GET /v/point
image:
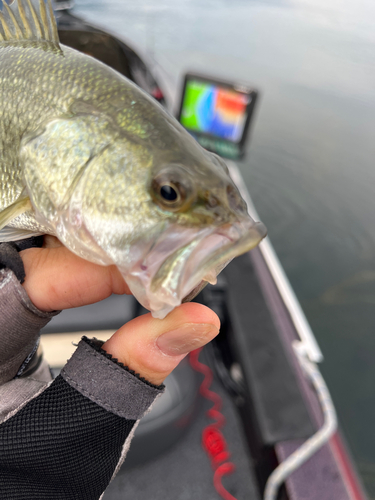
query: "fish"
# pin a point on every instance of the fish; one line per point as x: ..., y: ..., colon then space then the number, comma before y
x: 87, y: 156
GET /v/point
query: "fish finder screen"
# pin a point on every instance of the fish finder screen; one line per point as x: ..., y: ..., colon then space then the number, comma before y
x: 212, y: 109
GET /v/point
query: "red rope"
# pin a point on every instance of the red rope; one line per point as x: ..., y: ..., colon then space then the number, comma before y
x: 213, y: 440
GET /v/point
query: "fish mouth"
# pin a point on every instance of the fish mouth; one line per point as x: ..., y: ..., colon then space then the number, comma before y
x: 220, y: 248
x: 184, y: 260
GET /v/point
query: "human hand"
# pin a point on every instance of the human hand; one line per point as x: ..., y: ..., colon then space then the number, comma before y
x: 58, y: 279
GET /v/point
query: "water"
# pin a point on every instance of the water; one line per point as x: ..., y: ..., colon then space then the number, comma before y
x: 310, y: 166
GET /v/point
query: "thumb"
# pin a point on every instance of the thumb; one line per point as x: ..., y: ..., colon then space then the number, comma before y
x: 154, y: 347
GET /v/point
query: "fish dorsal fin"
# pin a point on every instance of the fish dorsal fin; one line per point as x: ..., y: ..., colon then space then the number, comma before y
x: 28, y: 20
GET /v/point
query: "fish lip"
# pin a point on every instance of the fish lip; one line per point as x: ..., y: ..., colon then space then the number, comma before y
x: 174, y: 267
x: 210, y: 252
x: 220, y: 258
x: 196, y: 290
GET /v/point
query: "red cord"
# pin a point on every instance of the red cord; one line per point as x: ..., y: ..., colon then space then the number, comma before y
x: 213, y: 440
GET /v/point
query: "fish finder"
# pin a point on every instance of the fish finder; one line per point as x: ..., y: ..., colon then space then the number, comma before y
x: 217, y: 113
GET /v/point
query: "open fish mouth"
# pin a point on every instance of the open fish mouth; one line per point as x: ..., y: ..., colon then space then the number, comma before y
x: 184, y: 260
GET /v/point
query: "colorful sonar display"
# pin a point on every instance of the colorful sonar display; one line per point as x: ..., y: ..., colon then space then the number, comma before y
x: 211, y: 109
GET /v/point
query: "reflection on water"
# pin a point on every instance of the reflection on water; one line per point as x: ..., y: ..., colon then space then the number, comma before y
x: 357, y: 288
x: 310, y: 164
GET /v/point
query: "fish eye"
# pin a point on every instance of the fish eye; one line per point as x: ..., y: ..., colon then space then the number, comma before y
x: 169, y: 193
x: 172, y: 189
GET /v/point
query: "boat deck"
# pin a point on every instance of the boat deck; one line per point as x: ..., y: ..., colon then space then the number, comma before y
x: 184, y: 472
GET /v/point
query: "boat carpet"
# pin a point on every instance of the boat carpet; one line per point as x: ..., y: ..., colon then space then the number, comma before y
x: 184, y: 472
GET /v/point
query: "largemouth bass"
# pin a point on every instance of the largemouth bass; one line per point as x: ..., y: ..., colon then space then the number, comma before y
x: 87, y: 156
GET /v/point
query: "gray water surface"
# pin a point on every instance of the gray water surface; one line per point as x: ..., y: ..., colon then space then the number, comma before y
x: 310, y: 165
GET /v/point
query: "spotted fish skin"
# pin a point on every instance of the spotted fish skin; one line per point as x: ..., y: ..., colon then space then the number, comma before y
x: 94, y: 154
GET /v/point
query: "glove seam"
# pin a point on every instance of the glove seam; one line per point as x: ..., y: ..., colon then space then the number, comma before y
x: 97, y: 346
x: 115, y: 367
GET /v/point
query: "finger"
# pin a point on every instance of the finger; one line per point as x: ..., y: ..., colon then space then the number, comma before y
x: 58, y: 279
x: 154, y: 347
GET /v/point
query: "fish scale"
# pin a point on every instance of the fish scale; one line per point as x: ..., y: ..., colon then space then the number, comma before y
x: 29, y: 82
